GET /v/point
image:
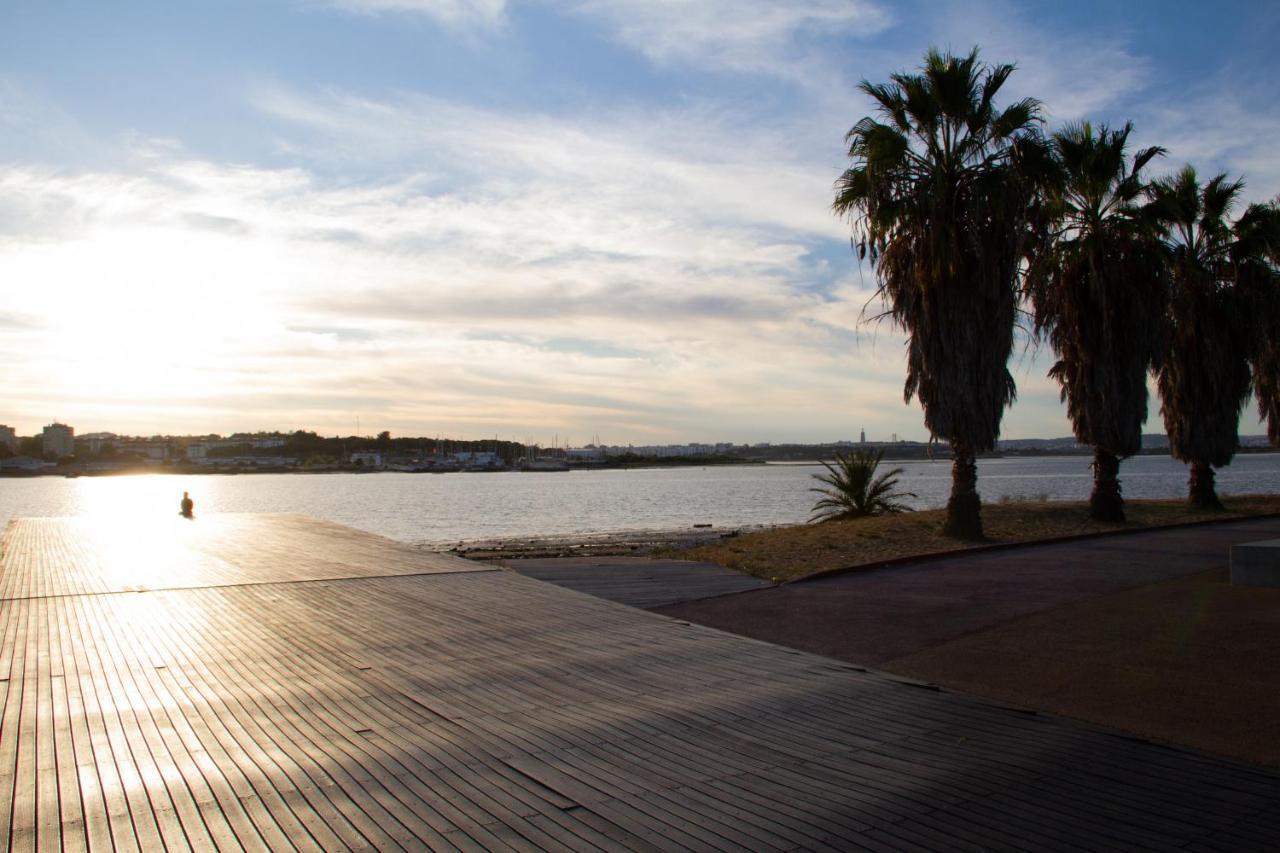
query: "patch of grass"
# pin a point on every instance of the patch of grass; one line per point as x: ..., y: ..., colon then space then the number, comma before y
x: 787, y: 553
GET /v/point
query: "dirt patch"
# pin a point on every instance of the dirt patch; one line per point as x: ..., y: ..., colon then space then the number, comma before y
x: 787, y: 553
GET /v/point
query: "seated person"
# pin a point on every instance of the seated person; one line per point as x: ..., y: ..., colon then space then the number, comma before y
x: 188, y: 505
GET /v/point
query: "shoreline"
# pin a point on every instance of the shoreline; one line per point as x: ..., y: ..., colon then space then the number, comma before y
x: 229, y: 471
x: 629, y: 543
x: 185, y: 469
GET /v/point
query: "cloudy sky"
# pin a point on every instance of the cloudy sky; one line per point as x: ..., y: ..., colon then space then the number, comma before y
x: 526, y: 218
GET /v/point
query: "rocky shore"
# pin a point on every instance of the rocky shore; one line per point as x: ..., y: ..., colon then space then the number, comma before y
x: 625, y: 543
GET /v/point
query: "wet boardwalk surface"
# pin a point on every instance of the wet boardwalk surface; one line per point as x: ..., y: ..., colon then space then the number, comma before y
x: 638, y: 581
x: 256, y: 694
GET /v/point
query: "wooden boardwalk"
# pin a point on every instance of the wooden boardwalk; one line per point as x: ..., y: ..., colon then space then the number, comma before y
x: 291, y: 684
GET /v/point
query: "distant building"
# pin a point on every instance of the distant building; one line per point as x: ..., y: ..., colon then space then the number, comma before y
x: 477, y: 459
x: 663, y: 450
x: 862, y: 438
x: 99, y: 443
x: 22, y: 463
x: 148, y: 451
x: 9, y: 438
x: 59, y: 440
x: 257, y: 440
x: 366, y: 459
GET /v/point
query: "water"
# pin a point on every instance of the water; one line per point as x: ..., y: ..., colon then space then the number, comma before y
x: 441, y: 510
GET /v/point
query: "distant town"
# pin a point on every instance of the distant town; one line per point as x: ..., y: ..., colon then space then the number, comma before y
x: 57, y: 450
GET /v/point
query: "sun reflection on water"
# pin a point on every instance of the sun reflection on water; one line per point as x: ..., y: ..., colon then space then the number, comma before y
x: 136, y: 535
x: 137, y: 497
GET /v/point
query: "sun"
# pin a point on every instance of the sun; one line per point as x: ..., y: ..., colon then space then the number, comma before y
x: 145, y: 315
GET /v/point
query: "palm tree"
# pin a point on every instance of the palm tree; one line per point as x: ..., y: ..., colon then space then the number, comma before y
x: 939, y: 199
x: 1203, y: 373
x: 1097, y: 286
x: 855, y: 490
x: 1264, y: 284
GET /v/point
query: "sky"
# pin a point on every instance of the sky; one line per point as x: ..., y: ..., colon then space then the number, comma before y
x: 542, y: 220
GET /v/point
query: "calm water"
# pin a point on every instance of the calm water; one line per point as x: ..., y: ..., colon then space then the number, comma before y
x: 444, y: 509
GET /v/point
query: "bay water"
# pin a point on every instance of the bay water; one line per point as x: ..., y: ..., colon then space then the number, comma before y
x: 443, y: 510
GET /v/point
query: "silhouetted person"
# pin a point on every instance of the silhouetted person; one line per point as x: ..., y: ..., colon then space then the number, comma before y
x: 188, y: 505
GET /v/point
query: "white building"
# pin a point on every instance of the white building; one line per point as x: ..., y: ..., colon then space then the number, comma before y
x: 366, y: 459
x: 152, y: 451
x: 664, y: 450
x: 9, y: 438
x: 58, y: 439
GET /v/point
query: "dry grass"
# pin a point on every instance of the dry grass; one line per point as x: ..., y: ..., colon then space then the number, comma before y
x: 787, y: 553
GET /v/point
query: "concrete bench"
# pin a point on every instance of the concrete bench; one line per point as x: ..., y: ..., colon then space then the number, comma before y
x: 1256, y: 563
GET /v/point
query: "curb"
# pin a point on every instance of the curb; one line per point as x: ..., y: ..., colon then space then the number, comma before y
x: 1008, y: 546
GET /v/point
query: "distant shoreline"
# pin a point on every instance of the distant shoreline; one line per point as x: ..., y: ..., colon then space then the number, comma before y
x: 73, y: 472
x: 187, y: 470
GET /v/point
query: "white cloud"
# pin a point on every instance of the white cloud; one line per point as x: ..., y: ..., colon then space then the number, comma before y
x: 1074, y: 74
x: 456, y: 13
x: 735, y: 35
x: 652, y: 168
x: 677, y: 270
x: 1224, y: 127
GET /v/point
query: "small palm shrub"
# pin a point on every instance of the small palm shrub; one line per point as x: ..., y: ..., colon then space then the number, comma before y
x: 855, y: 490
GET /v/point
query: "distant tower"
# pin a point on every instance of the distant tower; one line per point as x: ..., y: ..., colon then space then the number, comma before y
x: 58, y: 440
x: 863, y: 438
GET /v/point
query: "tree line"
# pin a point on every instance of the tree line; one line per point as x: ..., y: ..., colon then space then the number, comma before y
x: 973, y: 215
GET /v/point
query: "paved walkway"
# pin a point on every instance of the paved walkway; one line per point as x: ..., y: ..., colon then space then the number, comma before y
x: 873, y: 616
x: 637, y: 581
x: 261, y: 700
x: 1142, y: 632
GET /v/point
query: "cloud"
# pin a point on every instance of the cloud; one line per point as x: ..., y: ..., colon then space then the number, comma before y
x: 1222, y: 126
x: 17, y: 322
x: 484, y: 14
x: 339, y: 333
x: 691, y: 160
x: 514, y: 268
x: 758, y: 36
x: 1074, y: 74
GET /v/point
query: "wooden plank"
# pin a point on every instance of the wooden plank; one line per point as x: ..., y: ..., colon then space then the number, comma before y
x: 297, y: 683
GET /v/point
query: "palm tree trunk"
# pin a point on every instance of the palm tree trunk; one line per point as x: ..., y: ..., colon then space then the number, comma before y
x: 1105, y: 504
x: 1203, y: 495
x: 964, y: 519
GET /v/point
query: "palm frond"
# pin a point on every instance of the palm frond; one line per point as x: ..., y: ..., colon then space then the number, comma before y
x: 1097, y: 284
x: 854, y: 489
x: 1216, y: 267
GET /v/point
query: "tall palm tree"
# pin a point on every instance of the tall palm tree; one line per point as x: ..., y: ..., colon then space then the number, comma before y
x: 938, y: 198
x: 1264, y: 283
x: 1097, y: 286
x: 1203, y: 373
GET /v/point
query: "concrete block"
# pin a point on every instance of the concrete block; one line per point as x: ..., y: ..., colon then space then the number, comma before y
x: 1256, y: 563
